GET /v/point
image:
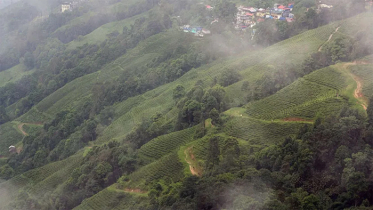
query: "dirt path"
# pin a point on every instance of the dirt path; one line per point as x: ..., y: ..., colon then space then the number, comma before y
x: 132, y: 190
x: 295, y: 119
x: 330, y: 37
x: 193, y: 169
x: 20, y: 127
x: 358, y: 93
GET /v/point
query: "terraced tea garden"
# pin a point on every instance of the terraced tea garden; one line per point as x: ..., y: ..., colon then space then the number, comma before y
x: 168, y: 166
x: 163, y: 145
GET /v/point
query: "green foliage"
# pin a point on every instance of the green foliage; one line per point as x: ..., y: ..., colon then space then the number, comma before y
x: 315, y: 93
x: 110, y: 198
x: 178, y: 92
x: 225, y: 10
x: 83, y: 92
x: 160, y: 146
x: 168, y: 166
x: 260, y: 132
x: 364, y: 72
x: 213, y: 154
x: 215, y: 118
x: 228, y: 77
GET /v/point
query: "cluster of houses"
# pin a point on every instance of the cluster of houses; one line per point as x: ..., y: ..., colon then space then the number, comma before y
x: 197, y: 31
x: 69, y: 6
x: 250, y: 16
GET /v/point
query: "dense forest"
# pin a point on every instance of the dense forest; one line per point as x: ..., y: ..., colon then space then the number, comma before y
x: 164, y: 120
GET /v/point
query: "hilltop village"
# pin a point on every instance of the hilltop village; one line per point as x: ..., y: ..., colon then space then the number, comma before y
x: 248, y: 17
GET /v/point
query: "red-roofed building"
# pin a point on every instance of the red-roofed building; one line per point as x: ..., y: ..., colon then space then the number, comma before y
x: 208, y: 7
x: 281, y: 7
x: 249, y: 14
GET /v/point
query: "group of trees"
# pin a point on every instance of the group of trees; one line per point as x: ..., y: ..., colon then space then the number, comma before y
x: 199, y: 104
x: 327, y: 166
x: 101, y: 167
x: 58, y: 66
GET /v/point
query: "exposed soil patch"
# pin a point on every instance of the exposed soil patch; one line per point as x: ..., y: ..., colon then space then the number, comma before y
x: 358, y: 93
x: 295, y: 119
x: 193, y: 169
x: 20, y: 127
x: 19, y: 149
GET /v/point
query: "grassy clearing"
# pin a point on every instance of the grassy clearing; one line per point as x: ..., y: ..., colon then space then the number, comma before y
x: 34, y: 116
x: 32, y: 129
x: 14, y: 74
x: 9, y: 135
x: 100, y: 34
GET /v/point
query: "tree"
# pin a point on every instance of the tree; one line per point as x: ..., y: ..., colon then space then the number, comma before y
x: 3, y: 116
x: 228, y: 77
x: 226, y: 10
x: 29, y: 60
x: 189, y: 187
x: 370, y: 112
x: 178, y: 92
x: 230, y: 155
x: 266, y: 33
x: 339, y: 49
x: 215, y: 117
x: 245, y: 86
x: 213, y: 154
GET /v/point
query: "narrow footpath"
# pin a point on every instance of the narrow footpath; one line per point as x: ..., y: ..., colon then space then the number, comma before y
x: 20, y: 127
x: 189, y: 158
x: 330, y: 37
x: 358, y: 93
x: 132, y: 190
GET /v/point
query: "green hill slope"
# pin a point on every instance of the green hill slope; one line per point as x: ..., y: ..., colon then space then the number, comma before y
x: 38, y: 182
x: 259, y: 124
x: 13, y: 74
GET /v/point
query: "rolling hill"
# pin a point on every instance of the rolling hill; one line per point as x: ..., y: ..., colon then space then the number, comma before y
x: 159, y: 169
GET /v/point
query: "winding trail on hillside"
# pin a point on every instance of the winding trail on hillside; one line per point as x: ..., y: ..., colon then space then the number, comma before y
x: 296, y: 119
x: 330, y: 37
x: 20, y: 127
x: 134, y: 190
x: 189, y: 153
x: 358, y: 93
x: 288, y: 119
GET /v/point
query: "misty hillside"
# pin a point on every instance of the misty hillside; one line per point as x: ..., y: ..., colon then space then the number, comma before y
x: 186, y: 104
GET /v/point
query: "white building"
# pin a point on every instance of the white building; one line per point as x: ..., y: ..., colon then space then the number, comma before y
x: 66, y: 7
